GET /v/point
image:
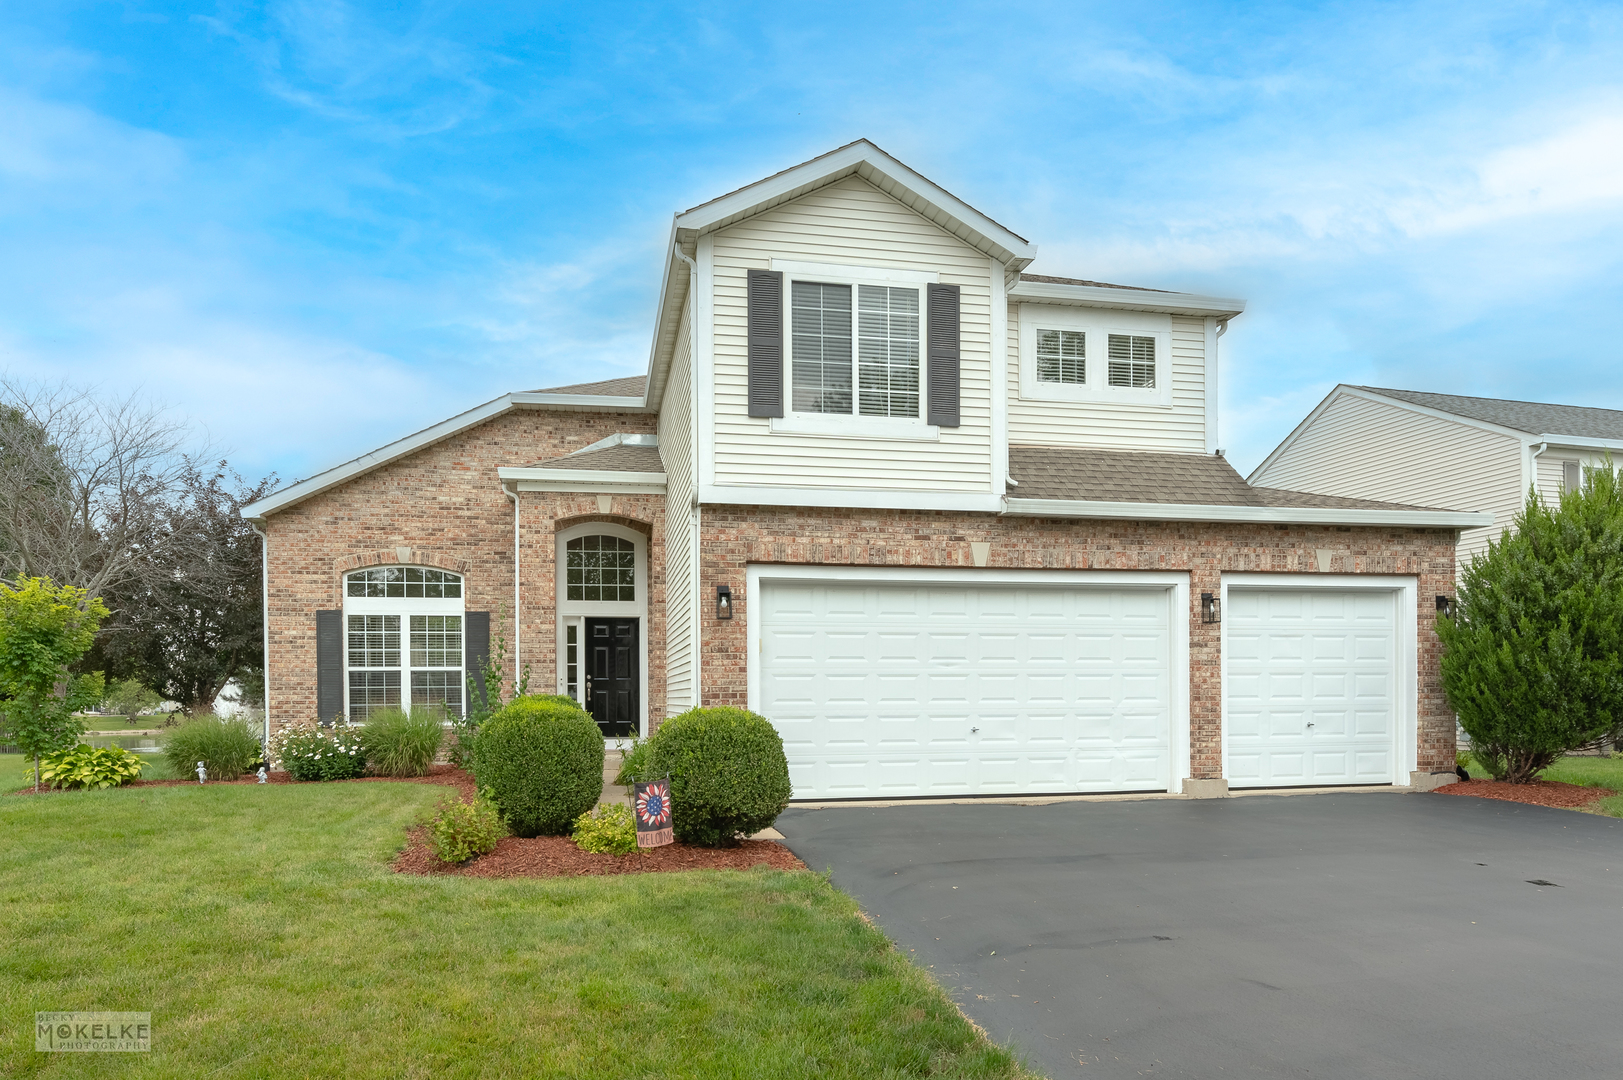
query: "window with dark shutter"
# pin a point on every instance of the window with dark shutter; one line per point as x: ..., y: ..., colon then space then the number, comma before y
x: 329, y: 664
x: 765, y: 343
x: 943, y: 356
x: 476, y: 649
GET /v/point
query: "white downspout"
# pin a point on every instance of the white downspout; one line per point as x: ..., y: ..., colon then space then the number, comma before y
x: 1212, y: 403
x: 693, y: 455
x: 518, y: 663
x: 264, y: 616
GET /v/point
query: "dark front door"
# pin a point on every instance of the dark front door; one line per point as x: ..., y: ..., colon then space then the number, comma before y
x: 612, y: 675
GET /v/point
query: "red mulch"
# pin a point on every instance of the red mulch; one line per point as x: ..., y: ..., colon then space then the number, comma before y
x: 1538, y: 793
x: 557, y: 856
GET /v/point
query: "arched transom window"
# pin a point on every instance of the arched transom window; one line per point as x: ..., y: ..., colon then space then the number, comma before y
x: 600, y: 568
x: 403, y: 640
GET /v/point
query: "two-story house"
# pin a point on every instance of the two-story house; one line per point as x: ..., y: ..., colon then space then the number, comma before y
x: 1471, y: 453
x: 955, y: 528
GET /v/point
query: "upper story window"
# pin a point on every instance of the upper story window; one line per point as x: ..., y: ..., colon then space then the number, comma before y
x: 1130, y: 351
x: 405, y: 582
x: 855, y: 340
x: 600, y: 568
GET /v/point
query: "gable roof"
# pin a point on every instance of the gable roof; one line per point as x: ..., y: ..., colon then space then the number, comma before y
x: 1531, y: 417
x: 629, y: 386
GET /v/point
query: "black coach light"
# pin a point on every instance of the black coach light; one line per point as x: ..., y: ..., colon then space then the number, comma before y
x: 1208, y: 608
x: 724, y: 602
x: 1445, y: 606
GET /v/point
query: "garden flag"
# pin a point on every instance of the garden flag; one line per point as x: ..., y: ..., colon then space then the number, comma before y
x: 653, y: 813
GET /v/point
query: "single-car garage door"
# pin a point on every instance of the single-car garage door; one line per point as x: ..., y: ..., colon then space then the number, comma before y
x: 884, y: 690
x: 1310, y: 692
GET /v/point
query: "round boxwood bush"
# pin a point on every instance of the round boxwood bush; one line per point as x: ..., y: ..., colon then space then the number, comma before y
x: 543, y: 762
x: 728, y: 773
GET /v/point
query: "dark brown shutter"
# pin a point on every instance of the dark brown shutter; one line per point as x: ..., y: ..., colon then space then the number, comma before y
x: 943, y: 363
x: 329, y: 665
x: 475, y: 650
x: 766, y: 343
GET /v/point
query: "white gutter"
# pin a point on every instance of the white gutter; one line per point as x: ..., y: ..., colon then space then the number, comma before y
x: 1292, y: 515
x: 1577, y: 442
x: 264, y: 616
x: 626, y: 483
x: 518, y: 661
x: 1051, y: 292
x: 694, y: 511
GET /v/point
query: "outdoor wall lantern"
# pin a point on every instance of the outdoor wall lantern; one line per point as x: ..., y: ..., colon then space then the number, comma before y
x: 1208, y: 608
x: 724, y: 602
x: 1445, y: 606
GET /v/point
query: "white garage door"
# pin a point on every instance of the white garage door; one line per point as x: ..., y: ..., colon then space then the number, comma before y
x: 887, y: 690
x: 1311, y: 691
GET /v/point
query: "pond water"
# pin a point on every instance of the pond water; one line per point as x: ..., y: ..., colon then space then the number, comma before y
x: 139, y: 744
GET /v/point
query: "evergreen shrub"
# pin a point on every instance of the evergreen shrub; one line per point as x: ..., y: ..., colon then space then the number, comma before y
x: 1533, y: 652
x: 606, y: 829
x: 729, y: 775
x: 543, y: 762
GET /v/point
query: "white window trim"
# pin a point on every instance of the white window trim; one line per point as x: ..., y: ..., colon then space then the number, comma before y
x: 910, y: 429
x: 1405, y: 597
x: 405, y: 607
x: 1098, y: 324
x: 1174, y: 583
x: 576, y: 612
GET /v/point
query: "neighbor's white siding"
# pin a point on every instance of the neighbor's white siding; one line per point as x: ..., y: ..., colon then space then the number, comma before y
x: 1364, y: 449
x: 1108, y: 425
x: 849, y: 223
x: 676, y: 451
x: 1551, y: 468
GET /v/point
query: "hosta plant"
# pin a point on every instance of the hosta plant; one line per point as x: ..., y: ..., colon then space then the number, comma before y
x: 90, y: 767
x: 310, y: 752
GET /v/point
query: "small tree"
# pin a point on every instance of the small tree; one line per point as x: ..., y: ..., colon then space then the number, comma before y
x: 44, y: 628
x: 1533, y: 655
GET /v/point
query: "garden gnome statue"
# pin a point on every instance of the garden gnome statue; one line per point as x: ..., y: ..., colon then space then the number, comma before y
x: 202, y: 773
x: 262, y: 774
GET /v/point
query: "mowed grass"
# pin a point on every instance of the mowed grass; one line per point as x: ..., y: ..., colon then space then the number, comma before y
x: 17, y: 772
x: 262, y: 928
x: 1601, y: 772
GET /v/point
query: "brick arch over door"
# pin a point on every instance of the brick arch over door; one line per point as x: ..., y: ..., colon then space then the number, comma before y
x: 562, y: 524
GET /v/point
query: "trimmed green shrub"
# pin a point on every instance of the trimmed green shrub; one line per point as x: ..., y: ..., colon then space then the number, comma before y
x: 401, y: 743
x: 1533, y: 653
x: 543, y: 761
x: 606, y: 829
x: 634, y: 762
x: 728, y: 773
x: 310, y: 752
x: 86, y: 766
x: 462, y: 830
x: 227, y: 748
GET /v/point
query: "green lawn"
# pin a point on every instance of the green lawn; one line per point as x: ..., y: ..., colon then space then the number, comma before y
x: 262, y: 928
x: 1592, y: 772
x: 17, y: 771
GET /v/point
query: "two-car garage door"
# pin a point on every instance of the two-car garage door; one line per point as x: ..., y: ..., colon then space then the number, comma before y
x: 885, y: 690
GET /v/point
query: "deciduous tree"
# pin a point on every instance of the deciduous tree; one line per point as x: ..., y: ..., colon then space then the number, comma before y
x: 44, y: 628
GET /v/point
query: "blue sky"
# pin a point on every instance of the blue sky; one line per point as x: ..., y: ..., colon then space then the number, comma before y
x: 315, y: 227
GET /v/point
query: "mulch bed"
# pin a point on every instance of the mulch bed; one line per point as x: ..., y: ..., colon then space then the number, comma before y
x: 1538, y: 793
x: 557, y: 856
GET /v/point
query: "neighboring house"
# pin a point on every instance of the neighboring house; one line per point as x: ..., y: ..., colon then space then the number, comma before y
x: 956, y: 529
x: 1467, y: 453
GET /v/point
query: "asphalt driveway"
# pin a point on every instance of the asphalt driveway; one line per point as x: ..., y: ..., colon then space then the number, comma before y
x: 1325, y: 936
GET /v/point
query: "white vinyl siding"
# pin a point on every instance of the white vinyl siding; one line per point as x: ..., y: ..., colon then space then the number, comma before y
x: 1364, y: 449
x: 1117, y: 425
x: 676, y: 452
x: 849, y: 223
x: 1551, y: 468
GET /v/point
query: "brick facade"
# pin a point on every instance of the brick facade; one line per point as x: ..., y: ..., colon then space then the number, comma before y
x: 444, y: 507
x: 736, y: 536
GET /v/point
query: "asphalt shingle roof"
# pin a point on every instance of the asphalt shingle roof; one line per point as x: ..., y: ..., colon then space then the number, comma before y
x: 1047, y: 280
x: 1047, y: 472
x: 620, y: 458
x: 1529, y: 416
x: 630, y: 386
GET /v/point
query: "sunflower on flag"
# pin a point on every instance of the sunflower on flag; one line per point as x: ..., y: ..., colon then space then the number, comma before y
x: 653, y: 813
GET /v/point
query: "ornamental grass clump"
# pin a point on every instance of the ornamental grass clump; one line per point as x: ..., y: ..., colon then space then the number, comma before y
x: 729, y: 775
x: 227, y: 748
x: 606, y: 829
x: 461, y: 831
x: 309, y: 752
x: 1533, y: 652
x: 402, y: 743
x: 90, y: 767
x: 543, y: 762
